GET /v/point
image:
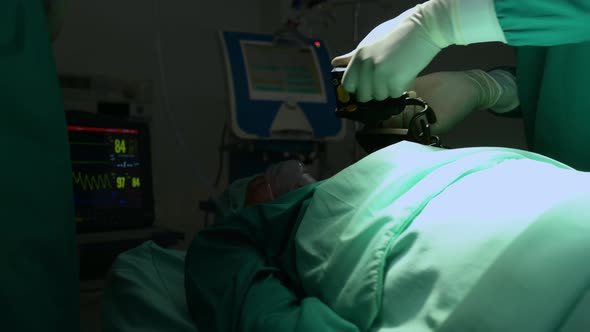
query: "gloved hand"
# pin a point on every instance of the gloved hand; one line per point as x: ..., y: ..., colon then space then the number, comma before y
x: 454, y: 95
x: 393, y: 54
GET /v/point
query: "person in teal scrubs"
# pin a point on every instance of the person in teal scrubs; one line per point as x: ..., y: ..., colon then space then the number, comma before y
x: 39, y: 284
x: 548, y: 87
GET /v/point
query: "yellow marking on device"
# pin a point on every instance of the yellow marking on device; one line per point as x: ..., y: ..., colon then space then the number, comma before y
x: 343, y: 95
x: 350, y: 108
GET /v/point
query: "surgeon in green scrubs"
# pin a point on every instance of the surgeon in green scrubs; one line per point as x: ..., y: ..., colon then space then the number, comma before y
x: 39, y: 287
x: 548, y: 88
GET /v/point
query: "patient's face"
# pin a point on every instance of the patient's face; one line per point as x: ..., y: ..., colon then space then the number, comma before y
x: 259, y: 191
x: 278, y: 180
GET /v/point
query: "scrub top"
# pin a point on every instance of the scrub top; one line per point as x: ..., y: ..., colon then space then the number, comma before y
x: 552, y: 39
x: 39, y: 287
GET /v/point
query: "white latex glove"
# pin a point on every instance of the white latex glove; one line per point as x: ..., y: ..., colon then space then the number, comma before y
x: 454, y: 95
x: 393, y: 54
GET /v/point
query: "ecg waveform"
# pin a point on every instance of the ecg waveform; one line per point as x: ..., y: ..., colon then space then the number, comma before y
x: 92, y: 182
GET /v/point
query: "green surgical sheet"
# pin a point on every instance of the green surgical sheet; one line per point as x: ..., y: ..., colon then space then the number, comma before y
x: 397, y: 242
x: 144, y: 291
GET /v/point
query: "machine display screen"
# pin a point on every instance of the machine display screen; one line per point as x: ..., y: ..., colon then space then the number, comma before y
x: 282, y: 73
x: 109, y: 174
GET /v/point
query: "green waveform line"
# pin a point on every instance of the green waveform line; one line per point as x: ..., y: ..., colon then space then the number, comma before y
x: 92, y: 182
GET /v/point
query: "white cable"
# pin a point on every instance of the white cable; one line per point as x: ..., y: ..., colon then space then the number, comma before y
x: 355, y: 125
x: 170, y: 115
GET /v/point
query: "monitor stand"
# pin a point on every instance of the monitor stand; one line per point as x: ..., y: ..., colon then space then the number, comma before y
x: 291, y: 122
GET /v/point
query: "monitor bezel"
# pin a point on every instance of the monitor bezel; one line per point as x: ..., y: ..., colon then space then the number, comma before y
x: 282, y: 96
x: 252, y: 119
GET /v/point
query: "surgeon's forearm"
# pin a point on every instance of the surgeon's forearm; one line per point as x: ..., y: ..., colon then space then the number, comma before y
x: 522, y: 22
x: 544, y: 22
x: 478, y: 21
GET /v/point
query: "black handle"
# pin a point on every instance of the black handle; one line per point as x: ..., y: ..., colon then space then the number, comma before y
x: 374, y: 112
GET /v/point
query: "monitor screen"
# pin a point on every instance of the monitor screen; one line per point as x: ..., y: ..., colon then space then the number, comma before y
x: 282, y: 73
x: 110, y: 172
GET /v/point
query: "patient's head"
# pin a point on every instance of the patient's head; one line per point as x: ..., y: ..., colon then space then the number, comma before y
x: 278, y: 180
x: 259, y: 191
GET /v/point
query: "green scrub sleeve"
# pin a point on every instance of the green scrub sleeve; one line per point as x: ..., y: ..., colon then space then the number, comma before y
x: 544, y: 22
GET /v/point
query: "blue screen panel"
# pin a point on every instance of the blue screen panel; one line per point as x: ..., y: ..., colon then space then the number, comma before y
x: 263, y: 76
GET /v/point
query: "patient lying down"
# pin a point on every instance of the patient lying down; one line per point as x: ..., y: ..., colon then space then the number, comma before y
x: 411, y: 238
